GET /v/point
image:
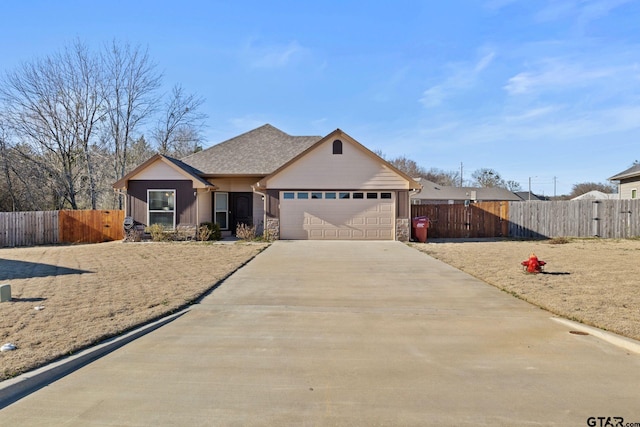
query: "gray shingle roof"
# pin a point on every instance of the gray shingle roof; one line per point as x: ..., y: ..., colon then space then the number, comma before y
x: 188, y: 169
x: 257, y: 152
x: 629, y: 173
x: 433, y: 191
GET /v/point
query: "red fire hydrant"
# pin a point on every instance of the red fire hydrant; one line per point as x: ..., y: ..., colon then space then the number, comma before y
x: 533, y: 264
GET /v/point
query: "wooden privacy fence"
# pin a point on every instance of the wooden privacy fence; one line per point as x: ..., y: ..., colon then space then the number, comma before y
x: 536, y: 219
x: 52, y: 227
x: 28, y: 228
x: 485, y: 219
x: 90, y: 226
x: 619, y: 219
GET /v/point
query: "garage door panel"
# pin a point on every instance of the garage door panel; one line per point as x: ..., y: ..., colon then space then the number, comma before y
x: 341, y: 219
x: 358, y: 221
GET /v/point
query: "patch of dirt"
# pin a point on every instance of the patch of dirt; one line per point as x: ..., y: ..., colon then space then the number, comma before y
x: 67, y: 298
x: 592, y: 281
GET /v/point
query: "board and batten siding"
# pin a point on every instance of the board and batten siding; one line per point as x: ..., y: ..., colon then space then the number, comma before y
x: 354, y: 169
x: 186, y: 208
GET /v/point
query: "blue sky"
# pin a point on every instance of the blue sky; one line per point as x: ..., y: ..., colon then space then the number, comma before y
x: 545, y: 90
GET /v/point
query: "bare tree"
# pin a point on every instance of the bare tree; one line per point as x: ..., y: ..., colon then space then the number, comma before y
x: 129, y: 90
x: 486, y: 177
x: 442, y: 177
x: 408, y: 166
x: 513, y: 186
x: 52, y: 105
x: 8, y: 199
x: 585, y: 187
x: 178, y: 132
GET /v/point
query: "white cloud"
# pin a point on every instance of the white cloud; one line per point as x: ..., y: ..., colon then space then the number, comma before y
x: 584, y: 11
x: 484, y: 62
x: 433, y: 96
x: 554, y: 74
x: 273, y: 56
x: 463, y: 76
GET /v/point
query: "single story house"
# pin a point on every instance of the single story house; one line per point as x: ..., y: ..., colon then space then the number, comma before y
x: 628, y: 182
x: 433, y: 193
x: 290, y: 187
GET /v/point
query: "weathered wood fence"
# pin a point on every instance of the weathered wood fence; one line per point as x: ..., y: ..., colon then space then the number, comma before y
x: 52, y: 227
x: 618, y: 219
x: 487, y: 219
x: 535, y: 219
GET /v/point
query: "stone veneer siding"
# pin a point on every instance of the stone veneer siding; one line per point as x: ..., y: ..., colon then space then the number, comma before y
x: 272, y: 229
x: 403, y: 231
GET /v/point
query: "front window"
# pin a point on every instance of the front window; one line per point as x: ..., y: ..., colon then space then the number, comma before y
x: 161, y: 205
x: 222, y: 210
x: 634, y: 193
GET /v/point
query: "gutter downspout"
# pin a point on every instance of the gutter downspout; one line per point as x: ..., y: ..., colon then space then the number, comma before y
x: 412, y: 193
x: 264, y: 207
x: 124, y: 196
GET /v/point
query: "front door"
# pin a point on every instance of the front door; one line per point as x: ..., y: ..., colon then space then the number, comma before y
x: 241, y: 211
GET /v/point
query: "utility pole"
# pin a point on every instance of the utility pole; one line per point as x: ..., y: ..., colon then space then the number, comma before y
x: 460, y: 174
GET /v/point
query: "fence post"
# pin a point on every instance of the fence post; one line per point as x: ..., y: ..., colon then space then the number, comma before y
x: 595, y: 223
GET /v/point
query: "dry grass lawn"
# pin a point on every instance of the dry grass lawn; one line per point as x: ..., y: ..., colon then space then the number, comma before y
x: 596, y: 282
x: 92, y: 292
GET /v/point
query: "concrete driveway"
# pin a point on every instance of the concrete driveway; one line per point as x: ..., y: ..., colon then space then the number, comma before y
x: 348, y: 333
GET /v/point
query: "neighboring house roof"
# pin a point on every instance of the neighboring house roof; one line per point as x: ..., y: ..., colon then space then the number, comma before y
x: 525, y: 195
x: 597, y: 195
x: 433, y: 191
x: 176, y: 164
x: 256, y: 153
x: 633, y: 171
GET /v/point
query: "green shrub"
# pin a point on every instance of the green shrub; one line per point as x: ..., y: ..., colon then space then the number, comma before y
x: 213, y: 231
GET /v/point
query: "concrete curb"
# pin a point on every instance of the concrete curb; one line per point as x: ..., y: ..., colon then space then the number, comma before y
x: 617, y: 340
x: 16, y: 388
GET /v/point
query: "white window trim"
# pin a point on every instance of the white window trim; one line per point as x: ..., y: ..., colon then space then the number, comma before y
x: 216, y: 210
x: 160, y: 190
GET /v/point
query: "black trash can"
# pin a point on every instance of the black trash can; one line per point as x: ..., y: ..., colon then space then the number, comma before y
x: 420, y: 225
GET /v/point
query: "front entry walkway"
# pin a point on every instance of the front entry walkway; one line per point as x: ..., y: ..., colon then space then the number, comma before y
x: 315, y: 333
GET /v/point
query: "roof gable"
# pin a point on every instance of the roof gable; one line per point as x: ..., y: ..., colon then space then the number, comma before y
x: 356, y: 167
x: 255, y: 153
x: 163, y: 167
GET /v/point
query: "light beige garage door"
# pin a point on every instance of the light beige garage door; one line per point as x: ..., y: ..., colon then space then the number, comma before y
x: 339, y: 215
